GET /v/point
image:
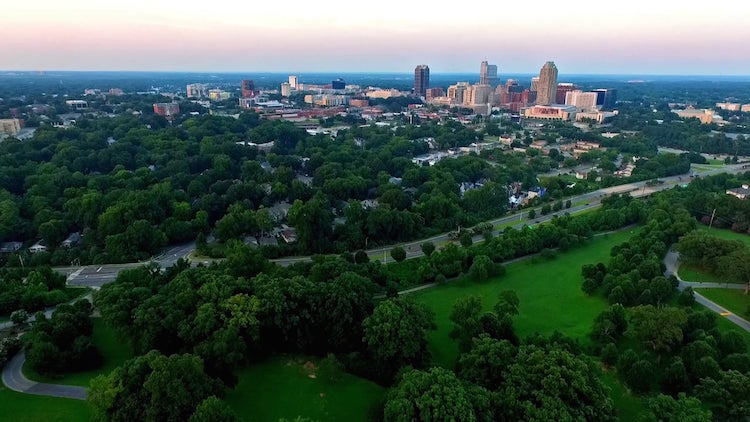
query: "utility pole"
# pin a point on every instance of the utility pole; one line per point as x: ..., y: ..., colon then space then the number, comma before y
x: 713, y: 213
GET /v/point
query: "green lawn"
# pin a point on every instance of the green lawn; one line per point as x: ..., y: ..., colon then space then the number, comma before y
x: 291, y: 386
x: 735, y: 301
x: 549, y: 291
x: 30, y: 408
x: 114, y: 351
x: 629, y: 407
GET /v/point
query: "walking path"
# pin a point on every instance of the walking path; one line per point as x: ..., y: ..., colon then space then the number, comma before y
x: 14, y: 379
x: 672, y: 262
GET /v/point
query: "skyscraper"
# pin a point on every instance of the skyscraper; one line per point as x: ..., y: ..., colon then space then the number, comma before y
x: 488, y: 74
x: 248, y: 88
x: 421, y: 80
x: 293, y: 82
x: 547, y: 89
x: 534, y: 84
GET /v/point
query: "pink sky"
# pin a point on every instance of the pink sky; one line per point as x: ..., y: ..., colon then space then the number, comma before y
x: 638, y: 36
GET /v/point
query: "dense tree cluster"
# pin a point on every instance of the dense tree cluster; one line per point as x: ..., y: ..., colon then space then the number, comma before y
x: 30, y: 289
x: 63, y: 342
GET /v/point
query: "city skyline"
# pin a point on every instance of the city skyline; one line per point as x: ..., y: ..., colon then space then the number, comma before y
x: 584, y: 37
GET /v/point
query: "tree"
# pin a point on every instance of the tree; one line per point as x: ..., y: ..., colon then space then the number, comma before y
x: 434, y: 395
x: 152, y: 387
x: 398, y: 253
x: 550, y: 383
x: 212, y: 409
x: 361, y: 257
x: 466, y: 316
x: 487, y: 362
x: 686, y: 297
x: 610, y: 324
x: 395, y: 333
x: 532, y: 214
x: 568, y: 204
x: 728, y: 395
x: 664, y: 408
x: 659, y: 329
x: 507, y: 304
x: 640, y: 376
x: 546, y: 209
x: 19, y: 317
x: 428, y: 248
x: 466, y: 239
x: 481, y: 268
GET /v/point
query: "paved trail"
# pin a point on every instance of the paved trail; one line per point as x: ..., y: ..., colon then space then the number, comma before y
x: 14, y: 379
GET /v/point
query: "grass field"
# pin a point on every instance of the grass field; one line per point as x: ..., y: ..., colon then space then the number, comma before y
x: 549, y: 291
x: 114, y: 351
x: 629, y: 407
x: 29, y: 408
x: 291, y: 386
x: 735, y: 301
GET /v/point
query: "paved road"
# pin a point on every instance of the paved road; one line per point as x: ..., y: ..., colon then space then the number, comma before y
x: 47, y: 312
x: 672, y: 262
x: 97, y: 275
x: 14, y: 379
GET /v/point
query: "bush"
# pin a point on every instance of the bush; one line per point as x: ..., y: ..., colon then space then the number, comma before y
x: 19, y: 317
x: 609, y: 354
x: 466, y: 239
x: 686, y: 297
x: 361, y: 257
x: 428, y: 248
x: 398, y: 253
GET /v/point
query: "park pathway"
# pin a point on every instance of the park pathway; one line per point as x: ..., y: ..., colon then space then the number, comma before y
x: 14, y: 379
x: 672, y: 262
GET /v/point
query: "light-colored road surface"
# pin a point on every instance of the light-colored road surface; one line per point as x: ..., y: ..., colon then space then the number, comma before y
x: 672, y: 262
x: 14, y: 379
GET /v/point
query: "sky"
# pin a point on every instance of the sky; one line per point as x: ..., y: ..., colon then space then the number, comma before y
x: 592, y: 37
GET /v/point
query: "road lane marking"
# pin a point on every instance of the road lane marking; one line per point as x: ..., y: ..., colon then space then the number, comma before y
x: 100, y: 268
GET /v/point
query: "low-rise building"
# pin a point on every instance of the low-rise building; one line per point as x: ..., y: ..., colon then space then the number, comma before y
x: 741, y: 192
x: 38, y: 247
x: 10, y: 126
x: 550, y: 112
x: 704, y: 115
x: 71, y: 240
x: 77, y: 104
x: 10, y: 247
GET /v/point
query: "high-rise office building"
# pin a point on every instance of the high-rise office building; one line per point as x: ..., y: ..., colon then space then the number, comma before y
x: 293, y: 81
x: 534, y: 84
x: 606, y: 98
x: 248, y: 88
x: 547, y: 89
x: 421, y: 80
x: 286, y: 89
x: 456, y: 92
x: 338, y: 84
x: 562, y: 89
x: 581, y: 100
x: 488, y: 74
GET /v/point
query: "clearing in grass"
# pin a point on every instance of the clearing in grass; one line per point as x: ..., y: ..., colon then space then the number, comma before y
x: 292, y: 386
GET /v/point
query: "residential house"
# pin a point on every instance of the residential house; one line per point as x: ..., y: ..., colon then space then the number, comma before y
x: 38, y: 247
x: 72, y: 239
x: 741, y: 192
x: 10, y: 247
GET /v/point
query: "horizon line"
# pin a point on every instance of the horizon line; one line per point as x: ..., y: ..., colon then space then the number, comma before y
x: 278, y: 72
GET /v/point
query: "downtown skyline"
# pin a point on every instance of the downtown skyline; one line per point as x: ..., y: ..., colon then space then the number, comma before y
x: 582, y: 37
